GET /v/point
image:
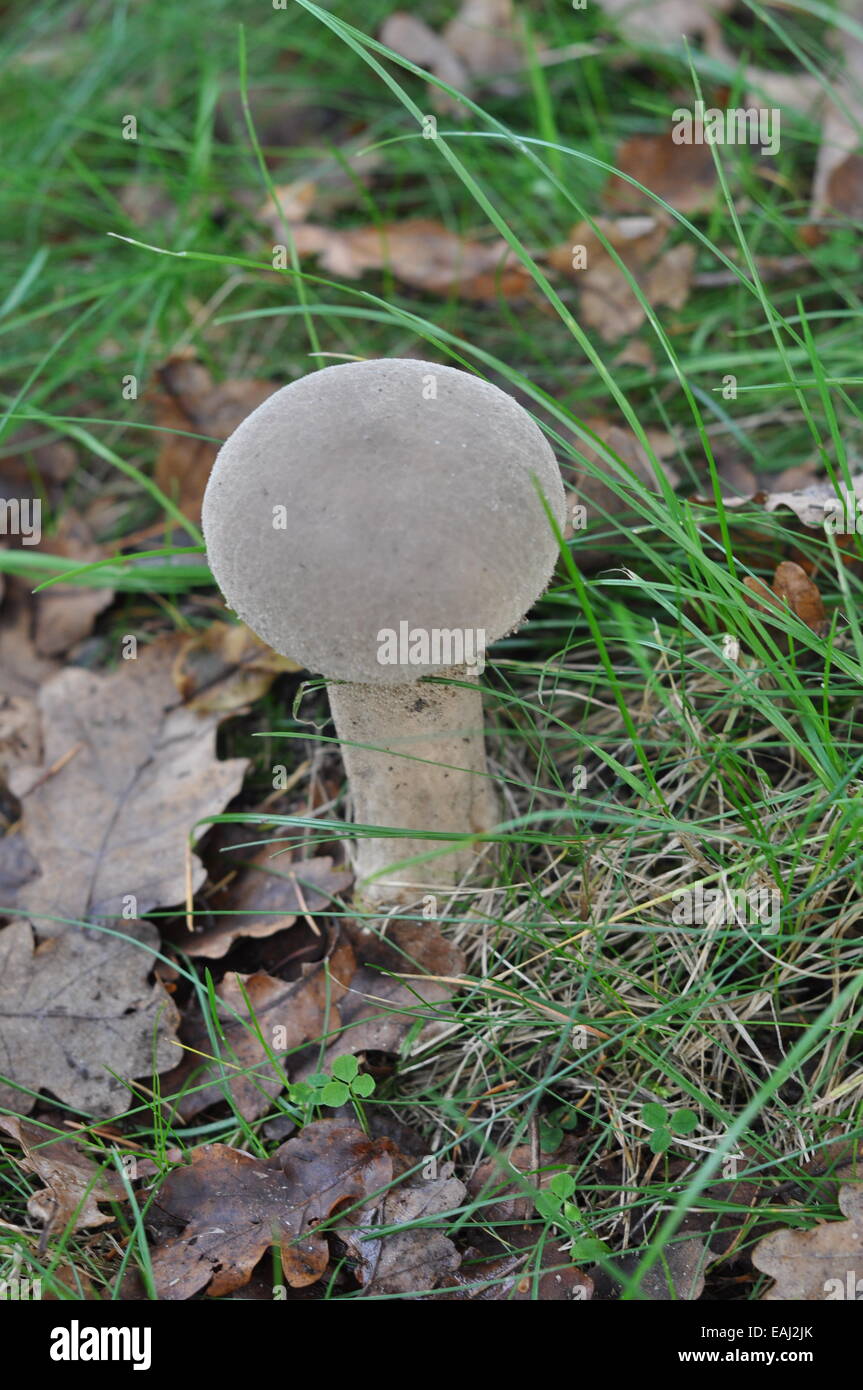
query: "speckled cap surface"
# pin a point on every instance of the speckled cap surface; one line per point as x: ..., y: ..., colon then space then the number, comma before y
x: 379, y: 493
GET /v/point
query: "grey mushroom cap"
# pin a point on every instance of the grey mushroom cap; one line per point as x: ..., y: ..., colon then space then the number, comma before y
x: 378, y: 493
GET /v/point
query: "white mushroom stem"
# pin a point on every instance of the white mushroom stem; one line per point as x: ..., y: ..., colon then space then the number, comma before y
x: 415, y: 760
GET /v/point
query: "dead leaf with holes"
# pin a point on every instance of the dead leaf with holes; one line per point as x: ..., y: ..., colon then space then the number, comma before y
x: 78, y: 1017
x: 263, y: 1017
x: 821, y: 1263
x: 75, y: 1184
x: 127, y: 772
x: 232, y: 1207
x: 421, y: 253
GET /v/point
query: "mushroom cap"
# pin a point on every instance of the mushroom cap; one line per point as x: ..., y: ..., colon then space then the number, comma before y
x: 379, y: 493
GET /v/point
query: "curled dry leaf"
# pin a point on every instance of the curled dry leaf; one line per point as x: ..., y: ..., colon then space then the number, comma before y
x: 127, y: 771
x: 285, y: 1013
x: 792, y: 588
x: 233, y: 1207
x: 822, y: 1263
x: 78, y: 1016
x: 226, y: 667
x: 74, y: 1183
x: 379, y: 1009
x: 421, y: 253
x: 272, y: 891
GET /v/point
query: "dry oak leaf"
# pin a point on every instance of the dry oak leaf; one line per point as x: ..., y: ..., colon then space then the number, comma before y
x: 191, y: 401
x: 74, y: 1183
x: 22, y: 668
x: 421, y: 253
x: 414, y: 1259
x: 76, y: 1010
x: 265, y: 897
x: 822, y: 1263
x: 132, y: 771
x: 234, y: 1207
x: 607, y: 301
x: 65, y: 613
x: 226, y: 667
x: 379, y: 1009
x: 286, y: 1013
x: 684, y: 176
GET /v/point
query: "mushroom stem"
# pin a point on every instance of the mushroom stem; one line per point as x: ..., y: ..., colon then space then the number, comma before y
x: 415, y: 759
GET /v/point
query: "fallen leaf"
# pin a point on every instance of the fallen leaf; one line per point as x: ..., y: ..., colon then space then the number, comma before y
x: 684, y: 176
x: 811, y: 504
x: 226, y: 667
x: 22, y: 669
x: 272, y: 891
x: 792, y: 585
x: 486, y: 37
x: 416, y: 1258
x: 654, y: 22
x: 379, y: 1009
x: 421, y: 253
x: 413, y: 39
x: 131, y: 772
x: 792, y: 588
x: 821, y: 1263
x: 65, y: 613
x: 285, y: 1013
x: 600, y: 500
x: 325, y: 187
x: 17, y: 867
x: 76, y: 1010
x: 74, y: 1183
x: 837, y: 184
x: 20, y: 733
x: 233, y: 1207
x: 191, y: 401
x: 607, y: 301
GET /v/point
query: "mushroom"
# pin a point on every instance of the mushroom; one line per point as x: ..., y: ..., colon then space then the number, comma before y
x: 382, y: 521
